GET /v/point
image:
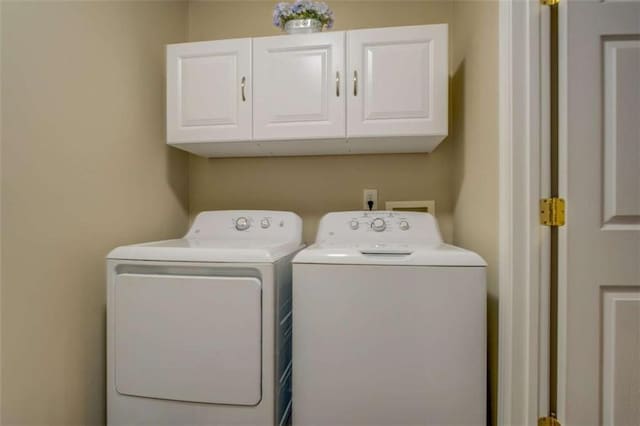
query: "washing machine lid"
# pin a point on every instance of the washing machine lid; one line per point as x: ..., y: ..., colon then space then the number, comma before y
x: 246, y: 236
x: 384, y: 238
x: 389, y: 254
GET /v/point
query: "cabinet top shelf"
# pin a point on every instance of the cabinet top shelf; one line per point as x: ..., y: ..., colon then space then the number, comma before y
x: 408, y: 28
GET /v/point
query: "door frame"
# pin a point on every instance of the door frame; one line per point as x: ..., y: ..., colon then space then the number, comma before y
x: 524, y: 245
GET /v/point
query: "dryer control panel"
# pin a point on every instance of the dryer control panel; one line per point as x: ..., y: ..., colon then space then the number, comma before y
x: 246, y: 224
x: 378, y: 226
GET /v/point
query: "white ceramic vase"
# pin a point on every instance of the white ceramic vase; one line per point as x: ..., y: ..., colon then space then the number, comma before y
x: 303, y: 26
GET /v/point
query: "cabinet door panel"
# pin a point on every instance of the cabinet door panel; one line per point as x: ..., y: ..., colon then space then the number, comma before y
x: 205, y: 99
x: 399, y: 79
x: 297, y: 92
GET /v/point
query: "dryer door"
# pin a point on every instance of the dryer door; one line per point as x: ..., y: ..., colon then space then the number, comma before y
x: 188, y: 338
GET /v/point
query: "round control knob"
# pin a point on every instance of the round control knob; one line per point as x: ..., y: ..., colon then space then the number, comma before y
x: 242, y: 224
x: 404, y: 225
x: 378, y: 225
x: 264, y: 223
x: 354, y: 224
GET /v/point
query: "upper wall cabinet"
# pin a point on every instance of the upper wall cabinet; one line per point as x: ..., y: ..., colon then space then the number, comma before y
x: 297, y: 87
x: 399, y: 82
x: 363, y: 91
x: 208, y: 91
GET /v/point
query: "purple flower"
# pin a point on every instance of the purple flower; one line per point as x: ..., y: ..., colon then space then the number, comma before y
x: 301, y: 6
x: 280, y: 13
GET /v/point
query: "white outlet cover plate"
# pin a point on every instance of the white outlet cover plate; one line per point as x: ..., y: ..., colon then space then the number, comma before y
x: 369, y: 194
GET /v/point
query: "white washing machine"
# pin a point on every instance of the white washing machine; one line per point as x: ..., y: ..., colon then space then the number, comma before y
x: 199, y: 328
x: 389, y: 325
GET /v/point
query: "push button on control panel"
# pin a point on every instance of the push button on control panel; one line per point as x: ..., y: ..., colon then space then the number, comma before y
x: 265, y: 223
x: 354, y: 224
x: 404, y: 225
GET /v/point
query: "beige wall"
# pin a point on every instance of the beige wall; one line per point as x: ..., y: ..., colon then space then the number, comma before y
x: 474, y: 97
x: 84, y: 169
x: 312, y: 186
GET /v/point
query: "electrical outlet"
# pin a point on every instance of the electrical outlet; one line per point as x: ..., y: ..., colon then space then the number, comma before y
x: 370, y: 195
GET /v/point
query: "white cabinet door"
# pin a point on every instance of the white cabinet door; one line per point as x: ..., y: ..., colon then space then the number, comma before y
x: 299, y: 87
x: 209, y: 91
x: 398, y: 81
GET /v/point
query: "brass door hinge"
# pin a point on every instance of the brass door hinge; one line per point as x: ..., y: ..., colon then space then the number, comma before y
x: 549, y: 2
x: 548, y: 421
x: 552, y: 211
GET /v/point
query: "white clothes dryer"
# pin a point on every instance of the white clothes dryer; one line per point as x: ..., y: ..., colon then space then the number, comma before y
x: 389, y: 325
x: 199, y: 328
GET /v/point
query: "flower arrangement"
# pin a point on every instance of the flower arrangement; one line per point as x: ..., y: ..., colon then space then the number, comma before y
x: 302, y: 9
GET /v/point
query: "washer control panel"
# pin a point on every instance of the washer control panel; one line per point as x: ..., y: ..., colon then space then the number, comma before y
x: 378, y: 227
x: 380, y: 222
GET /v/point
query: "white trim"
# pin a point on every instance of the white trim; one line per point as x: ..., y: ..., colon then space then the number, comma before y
x: 523, y: 253
x: 505, y: 271
x: 1, y: 290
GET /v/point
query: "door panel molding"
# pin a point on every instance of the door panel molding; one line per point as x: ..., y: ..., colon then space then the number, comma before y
x: 620, y: 341
x: 621, y: 62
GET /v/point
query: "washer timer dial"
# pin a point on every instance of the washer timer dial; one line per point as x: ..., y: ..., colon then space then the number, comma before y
x: 242, y: 224
x: 378, y: 224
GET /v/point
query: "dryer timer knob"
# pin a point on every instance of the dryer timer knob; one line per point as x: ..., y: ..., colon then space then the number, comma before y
x: 242, y: 224
x: 378, y: 225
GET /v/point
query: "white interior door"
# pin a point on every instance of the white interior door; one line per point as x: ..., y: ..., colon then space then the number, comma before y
x: 208, y: 91
x: 599, y: 288
x: 299, y: 86
x: 398, y: 81
x: 188, y: 338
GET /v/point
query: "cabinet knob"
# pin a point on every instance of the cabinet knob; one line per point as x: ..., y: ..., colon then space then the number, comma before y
x: 243, y: 83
